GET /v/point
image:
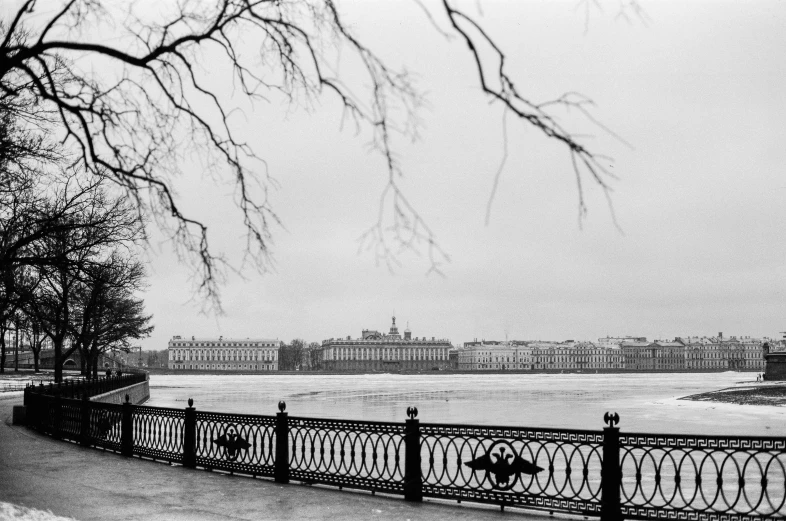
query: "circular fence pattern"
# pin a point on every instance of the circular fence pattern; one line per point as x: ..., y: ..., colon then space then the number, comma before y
x: 730, y: 476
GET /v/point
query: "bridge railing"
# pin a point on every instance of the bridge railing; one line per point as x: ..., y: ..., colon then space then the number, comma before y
x: 601, y: 473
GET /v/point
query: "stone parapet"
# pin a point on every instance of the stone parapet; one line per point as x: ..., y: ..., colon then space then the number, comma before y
x: 137, y: 393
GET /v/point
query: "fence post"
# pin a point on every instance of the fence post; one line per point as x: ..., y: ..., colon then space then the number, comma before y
x: 281, y: 471
x: 611, y: 474
x: 84, y: 424
x: 413, y: 477
x: 189, y: 436
x: 127, y: 429
x: 42, y: 408
x: 56, y: 414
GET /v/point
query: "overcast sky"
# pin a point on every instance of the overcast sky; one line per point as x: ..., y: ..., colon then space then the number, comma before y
x: 699, y: 94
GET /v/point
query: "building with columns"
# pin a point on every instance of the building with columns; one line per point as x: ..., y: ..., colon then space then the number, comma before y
x: 732, y: 353
x: 495, y: 356
x: 375, y: 351
x: 223, y: 354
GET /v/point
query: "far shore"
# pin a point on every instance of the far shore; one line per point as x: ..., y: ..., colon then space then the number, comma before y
x: 46, y: 374
x: 766, y: 393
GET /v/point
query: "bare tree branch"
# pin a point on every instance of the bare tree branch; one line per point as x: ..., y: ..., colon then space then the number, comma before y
x: 150, y: 106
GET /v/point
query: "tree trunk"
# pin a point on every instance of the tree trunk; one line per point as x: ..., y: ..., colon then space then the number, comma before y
x: 2, y: 350
x: 62, y: 323
x: 16, y: 349
x: 95, y: 365
x: 36, y: 356
x: 57, y: 344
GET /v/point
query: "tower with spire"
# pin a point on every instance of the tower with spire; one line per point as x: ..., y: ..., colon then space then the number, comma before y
x: 393, y: 334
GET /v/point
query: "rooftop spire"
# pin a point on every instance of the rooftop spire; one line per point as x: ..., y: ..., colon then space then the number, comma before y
x: 393, y: 329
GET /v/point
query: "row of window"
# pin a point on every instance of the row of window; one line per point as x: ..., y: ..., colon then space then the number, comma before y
x: 226, y: 355
x: 223, y: 344
x: 470, y: 367
x: 345, y: 353
x: 227, y: 367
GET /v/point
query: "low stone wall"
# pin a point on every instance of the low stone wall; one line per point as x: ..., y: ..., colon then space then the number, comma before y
x: 137, y: 393
x: 775, y: 368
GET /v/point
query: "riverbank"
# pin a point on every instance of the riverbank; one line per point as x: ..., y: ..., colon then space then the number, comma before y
x: 764, y: 394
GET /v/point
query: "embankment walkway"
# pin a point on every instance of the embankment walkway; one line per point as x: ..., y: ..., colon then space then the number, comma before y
x: 88, y: 484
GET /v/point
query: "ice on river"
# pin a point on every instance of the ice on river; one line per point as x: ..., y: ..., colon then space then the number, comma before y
x: 645, y: 402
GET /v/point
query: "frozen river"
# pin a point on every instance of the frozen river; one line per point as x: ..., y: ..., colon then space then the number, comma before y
x: 645, y: 402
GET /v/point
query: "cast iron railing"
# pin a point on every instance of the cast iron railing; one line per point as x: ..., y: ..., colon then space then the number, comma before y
x: 355, y: 454
x: 664, y: 475
x: 570, y: 463
x: 595, y: 473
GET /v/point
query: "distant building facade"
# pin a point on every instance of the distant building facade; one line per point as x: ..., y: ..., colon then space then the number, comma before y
x: 494, y: 356
x: 223, y: 354
x: 582, y: 356
x: 654, y: 356
x: 752, y: 354
x: 719, y: 353
x: 616, y: 353
x: 375, y: 351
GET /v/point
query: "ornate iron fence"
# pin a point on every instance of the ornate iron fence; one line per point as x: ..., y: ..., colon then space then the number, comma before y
x: 711, y: 476
x: 595, y: 473
x: 157, y: 432
x: 535, y: 468
x: 234, y: 442
x: 77, y: 388
x: 344, y: 453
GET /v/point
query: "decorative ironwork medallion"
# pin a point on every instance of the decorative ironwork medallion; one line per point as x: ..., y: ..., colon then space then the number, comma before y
x: 504, y: 466
x: 232, y: 443
x: 101, y: 425
x: 104, y: 425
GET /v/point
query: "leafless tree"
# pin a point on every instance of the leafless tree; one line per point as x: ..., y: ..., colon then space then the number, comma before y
x: 290, y: 355
x: 34, y: 337
x: 314, y: 354
x: 23, y: 156
x: 96, y: 223
x: 107, y: 315
x: 150, y: 105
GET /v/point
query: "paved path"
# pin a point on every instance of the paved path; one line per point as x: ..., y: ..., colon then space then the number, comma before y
x: 84, y: 483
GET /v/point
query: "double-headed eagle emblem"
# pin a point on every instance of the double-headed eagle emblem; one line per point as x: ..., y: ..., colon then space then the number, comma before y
x: 232, y: 444
x: 503, y: 466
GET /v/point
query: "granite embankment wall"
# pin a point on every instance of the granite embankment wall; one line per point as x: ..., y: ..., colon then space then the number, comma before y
x: 137, y: 394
